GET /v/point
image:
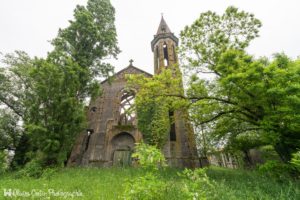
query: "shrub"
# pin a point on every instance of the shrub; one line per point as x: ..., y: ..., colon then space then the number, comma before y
x: 295, y: 162
x: 275, y: 169
x: 31, y: 169
x: 148, y: 187
x: 149, y: 157
x: 196, y: 185
x: 3, y: 162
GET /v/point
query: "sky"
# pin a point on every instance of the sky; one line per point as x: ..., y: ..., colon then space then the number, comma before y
x: 29, y: 25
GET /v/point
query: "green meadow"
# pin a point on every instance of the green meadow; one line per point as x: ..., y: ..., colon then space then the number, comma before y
x: 109, y: 183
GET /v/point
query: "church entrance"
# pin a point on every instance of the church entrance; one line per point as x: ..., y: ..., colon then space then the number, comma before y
x: 122, y: 158
x: 122, y: 145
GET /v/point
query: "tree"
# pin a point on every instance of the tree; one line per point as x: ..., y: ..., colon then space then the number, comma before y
x: 48, y: 94
x: 10, y: 131
x: 89, y: 39
x: 252, y: 97
x: 54, y: 115
x: 210, y: 35
x: 245, y: 96
x: 15, y: 81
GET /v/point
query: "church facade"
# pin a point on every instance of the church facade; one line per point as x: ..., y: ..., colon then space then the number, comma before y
x: 112, y: 132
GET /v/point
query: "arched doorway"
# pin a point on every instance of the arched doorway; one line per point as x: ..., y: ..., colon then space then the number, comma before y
x: 122, y: 145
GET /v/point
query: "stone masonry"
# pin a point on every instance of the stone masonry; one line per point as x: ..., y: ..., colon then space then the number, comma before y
x: 112, y: 132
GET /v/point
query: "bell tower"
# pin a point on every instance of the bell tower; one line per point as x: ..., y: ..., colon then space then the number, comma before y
x: 164, y: 47
x: 180, y: 148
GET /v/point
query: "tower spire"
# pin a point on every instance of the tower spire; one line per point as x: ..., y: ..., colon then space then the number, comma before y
x: 164, y: 47
x: 163, y: 32
x: 163, y: 28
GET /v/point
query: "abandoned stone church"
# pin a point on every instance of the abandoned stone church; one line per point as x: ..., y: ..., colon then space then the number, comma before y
x: 107, y: 143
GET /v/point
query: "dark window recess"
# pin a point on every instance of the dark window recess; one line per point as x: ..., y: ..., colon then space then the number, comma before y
x: 89, y: 133
x: 157, y: 58
x: 93, y: 109
x: 166, y: 58
x: 172, y: 127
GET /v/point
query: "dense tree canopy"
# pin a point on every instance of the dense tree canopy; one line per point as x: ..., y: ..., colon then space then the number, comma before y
x: 48, y: 94
x: 252, y: 97
x: 10, y: 131
x: 211, y: 34
x: 245, y: 96
x: 89, y: 39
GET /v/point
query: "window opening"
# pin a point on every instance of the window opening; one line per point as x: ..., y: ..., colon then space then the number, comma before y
x: 172, y: 126
x: 127, y: 113
x: 89, y: 133
x: 166, y: 59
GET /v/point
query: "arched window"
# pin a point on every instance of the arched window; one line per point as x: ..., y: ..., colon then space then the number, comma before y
x: 127, y: 113
x: 166, y: 58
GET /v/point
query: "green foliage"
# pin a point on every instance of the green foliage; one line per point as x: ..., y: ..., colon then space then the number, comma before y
x: 268, y: 153
x: 33, y: 169
x: 251, y: 98
x: 37, y: 167
x: 15, y: 81
x: 211, y: 34
x: 296, y: 161
x: 149, y: 157
x: 155, y: 132
x: 20, y: 158
x: 2, y: 162
x: 47, y: 95
x: 10, y: 131
x: 90, y: 38
x: 275, y: 169
x: 156, y: 97
x: 247, y: 102
x: 196, y: 184
x: 55, y: 116
x: 147, y: 187
x: 109, y: 183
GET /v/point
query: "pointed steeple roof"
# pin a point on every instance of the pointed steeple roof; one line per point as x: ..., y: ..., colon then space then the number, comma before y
x: 163, y: 32
x: 163, y: 27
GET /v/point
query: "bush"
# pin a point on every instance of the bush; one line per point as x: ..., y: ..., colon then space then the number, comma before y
x: 295, y: 162
x: 148, y: 187
x: 149, y: 157
x: 275, y: 169
x: 31, y: 169
x: 196, y: 185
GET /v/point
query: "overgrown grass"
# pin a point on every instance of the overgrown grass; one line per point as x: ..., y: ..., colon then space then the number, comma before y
x: 108, y: 183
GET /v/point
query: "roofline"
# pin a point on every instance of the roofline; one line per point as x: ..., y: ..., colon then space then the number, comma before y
x: 119, y: 72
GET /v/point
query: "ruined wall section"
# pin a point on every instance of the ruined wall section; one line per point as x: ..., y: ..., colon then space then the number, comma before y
x: 94, y: 146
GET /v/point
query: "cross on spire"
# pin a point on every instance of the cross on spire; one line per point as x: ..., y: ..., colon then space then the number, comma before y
x: 130, y: 61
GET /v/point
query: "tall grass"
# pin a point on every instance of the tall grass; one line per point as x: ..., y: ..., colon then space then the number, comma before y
x: 108, y: 183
